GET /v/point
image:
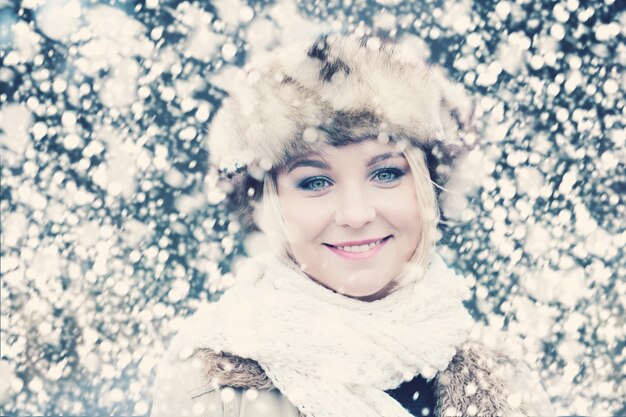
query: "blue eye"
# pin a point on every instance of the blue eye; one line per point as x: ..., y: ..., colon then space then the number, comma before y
x: 388, y: 174
x: 314, y: 184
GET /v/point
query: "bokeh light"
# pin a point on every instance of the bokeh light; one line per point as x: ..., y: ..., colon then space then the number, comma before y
x: 113, y: 229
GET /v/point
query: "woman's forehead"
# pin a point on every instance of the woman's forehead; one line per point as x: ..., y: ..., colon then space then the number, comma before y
x: 368, y: 152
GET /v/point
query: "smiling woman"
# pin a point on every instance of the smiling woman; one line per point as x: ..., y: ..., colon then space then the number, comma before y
x: 352, y: 216
x: 338, y: 152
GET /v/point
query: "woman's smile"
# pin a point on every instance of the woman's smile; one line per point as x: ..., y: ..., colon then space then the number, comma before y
x: 359, y: 250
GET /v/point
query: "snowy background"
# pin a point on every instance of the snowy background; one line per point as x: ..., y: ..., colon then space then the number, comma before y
x: 112, y: 232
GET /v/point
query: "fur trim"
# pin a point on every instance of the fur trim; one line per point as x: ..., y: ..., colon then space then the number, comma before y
x: 223, y: 369
x: 469, y: 386
x: 339, y: 90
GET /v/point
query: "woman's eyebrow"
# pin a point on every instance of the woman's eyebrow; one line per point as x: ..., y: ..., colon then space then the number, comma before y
x: 316, y: 163
x: 382, y: 157
x: 303, y: 162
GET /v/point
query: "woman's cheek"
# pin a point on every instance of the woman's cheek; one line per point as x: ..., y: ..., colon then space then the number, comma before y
x: 305, y: 220
x: 400, y: 208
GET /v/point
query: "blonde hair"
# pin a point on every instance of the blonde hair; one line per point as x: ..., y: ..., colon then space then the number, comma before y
x: 271, y: 221
x: 427, y: 203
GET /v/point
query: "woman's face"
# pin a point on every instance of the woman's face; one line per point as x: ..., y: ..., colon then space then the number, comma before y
x: 351, y: 216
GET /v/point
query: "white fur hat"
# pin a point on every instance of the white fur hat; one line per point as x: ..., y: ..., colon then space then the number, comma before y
x: 338, y: 89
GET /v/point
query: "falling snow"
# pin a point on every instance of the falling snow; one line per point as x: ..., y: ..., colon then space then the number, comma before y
x: 112, y: 230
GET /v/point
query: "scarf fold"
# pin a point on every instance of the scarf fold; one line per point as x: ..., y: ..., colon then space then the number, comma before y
x: 331, y: 355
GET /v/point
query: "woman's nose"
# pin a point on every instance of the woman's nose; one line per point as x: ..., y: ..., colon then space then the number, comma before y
x: 354, y: 209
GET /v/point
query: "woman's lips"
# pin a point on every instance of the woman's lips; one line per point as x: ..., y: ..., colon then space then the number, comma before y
x: 359, y: 255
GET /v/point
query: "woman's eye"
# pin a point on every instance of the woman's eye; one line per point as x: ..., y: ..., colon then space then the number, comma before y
x: 314, y: 184
x: 388, y: 174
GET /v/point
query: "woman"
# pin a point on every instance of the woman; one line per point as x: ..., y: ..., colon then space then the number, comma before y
x: 337, y: 151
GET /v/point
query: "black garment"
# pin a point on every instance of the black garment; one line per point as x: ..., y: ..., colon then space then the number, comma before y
x: 405, y: 394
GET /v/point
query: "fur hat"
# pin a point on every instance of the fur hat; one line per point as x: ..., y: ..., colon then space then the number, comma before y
x: 338, y: 90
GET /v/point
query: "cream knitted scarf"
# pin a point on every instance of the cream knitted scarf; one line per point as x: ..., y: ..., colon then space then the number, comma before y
x: 330, y: 355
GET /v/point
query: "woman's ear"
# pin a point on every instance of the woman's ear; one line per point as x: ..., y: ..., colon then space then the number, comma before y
x: 267, y: 217
x: 262, y: 217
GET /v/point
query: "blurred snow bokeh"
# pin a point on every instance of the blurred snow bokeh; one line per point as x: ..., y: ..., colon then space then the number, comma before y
x: 112, y: 231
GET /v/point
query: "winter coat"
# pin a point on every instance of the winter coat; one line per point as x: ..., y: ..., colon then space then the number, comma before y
x: 478, y: 381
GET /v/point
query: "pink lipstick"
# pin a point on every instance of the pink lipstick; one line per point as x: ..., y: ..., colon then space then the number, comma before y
x: 362, y: 250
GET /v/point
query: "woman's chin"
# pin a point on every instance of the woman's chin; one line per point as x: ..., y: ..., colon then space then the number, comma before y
x: 375, y: 291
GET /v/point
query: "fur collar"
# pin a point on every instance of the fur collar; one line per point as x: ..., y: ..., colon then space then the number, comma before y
x: 469, y: 386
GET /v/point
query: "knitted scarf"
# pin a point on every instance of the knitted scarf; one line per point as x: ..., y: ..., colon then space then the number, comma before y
x: 331, y: 355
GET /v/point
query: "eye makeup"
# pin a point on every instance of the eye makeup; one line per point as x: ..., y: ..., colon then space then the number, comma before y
x: 308, y: 184
x: 387, y: 174
x: 393, y: 170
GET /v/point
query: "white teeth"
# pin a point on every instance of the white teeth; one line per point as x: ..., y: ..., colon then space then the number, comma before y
x: 360, y: 248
